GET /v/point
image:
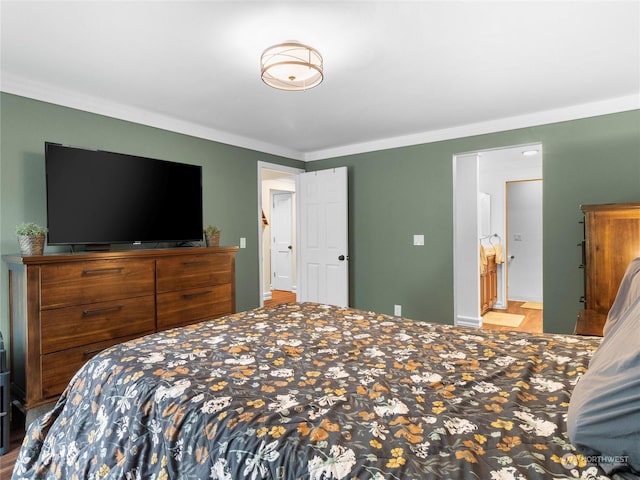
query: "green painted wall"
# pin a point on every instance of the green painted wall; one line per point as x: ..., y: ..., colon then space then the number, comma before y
x: 230, y: 177
x: 393, y: 194
x: 398, y: 192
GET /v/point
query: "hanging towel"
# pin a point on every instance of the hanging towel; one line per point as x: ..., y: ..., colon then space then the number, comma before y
x: 499, y: 254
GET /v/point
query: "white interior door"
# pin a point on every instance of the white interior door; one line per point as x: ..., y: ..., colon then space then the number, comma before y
x: 323, y: 237
x: 282, y: 241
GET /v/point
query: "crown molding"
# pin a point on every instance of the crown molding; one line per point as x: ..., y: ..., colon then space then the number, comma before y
x: 50, y: 94
x: 47, y: 93
x: 575, y: 112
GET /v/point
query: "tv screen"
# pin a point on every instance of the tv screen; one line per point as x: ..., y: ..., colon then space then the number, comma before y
x: 98, y: 197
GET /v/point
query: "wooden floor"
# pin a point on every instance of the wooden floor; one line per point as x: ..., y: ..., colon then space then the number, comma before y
x: 532, y: 323
x: 280, y: 296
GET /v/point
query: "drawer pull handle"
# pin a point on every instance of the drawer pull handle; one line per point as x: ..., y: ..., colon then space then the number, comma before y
x: 195, y: 262
x: 90, y: 353
x: 97, y: 311
x: 198, y: 294
x: 102, y: 271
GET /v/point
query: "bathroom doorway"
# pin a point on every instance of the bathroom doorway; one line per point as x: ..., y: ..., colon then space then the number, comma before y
x: 486, y: 171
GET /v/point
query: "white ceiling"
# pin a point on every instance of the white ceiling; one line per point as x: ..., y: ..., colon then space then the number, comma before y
x: 396, y: 73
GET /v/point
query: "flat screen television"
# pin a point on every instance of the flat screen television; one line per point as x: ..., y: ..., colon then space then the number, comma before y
x: 100, y: 198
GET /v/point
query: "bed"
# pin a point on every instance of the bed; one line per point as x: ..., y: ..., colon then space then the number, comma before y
x: 313, y: 391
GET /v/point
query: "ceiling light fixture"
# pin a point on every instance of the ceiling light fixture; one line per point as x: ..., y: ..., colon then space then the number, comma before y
x: 291, y: 66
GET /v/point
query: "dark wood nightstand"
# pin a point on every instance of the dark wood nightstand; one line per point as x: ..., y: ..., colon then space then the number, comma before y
x: 590, y: 322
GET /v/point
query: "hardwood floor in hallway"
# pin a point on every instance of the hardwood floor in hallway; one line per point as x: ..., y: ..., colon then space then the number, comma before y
x: 280, y: 296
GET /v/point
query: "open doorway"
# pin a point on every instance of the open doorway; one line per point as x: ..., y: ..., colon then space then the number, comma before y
x: 282, y: 239
x: 485, y: 172
x: 277, y: 232
x: 320, y: 224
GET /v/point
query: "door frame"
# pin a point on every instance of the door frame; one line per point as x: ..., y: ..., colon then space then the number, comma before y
x: 466, y: 258
x: 279, y: 168
x: 465, y: 250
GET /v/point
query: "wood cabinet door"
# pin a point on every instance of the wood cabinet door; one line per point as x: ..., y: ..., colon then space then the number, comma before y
x: 612, y: 241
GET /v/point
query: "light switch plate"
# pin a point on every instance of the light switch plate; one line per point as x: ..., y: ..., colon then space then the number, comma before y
x: 243, y: 242
x: 418, y: 239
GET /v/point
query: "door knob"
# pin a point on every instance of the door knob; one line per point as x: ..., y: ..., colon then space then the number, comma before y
x: 341, y: 258
x: 290, y: 247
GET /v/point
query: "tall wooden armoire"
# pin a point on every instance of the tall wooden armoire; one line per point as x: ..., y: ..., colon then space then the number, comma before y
x: 611, y: 241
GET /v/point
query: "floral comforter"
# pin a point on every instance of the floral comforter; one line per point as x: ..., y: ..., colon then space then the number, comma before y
x: 308, y: 391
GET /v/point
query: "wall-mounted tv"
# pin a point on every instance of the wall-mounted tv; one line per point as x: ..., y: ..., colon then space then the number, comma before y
x: 98, y: 198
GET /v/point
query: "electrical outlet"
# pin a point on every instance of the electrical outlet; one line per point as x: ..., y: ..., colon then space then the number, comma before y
x: 418, y: 240
x: 397, y: 310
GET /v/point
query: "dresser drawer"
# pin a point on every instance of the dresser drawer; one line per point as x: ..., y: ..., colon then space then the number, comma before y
x: 78, y: 283
x: 188, y: 306
x: 69, y: 327
x: 59, y: 367
x: 190, y: 271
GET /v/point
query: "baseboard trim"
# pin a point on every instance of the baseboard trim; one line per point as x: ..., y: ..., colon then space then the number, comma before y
x: 474, y: 322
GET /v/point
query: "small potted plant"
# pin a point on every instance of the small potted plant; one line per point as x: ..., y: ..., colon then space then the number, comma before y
x: 31, y: 238
x: 212, y: 236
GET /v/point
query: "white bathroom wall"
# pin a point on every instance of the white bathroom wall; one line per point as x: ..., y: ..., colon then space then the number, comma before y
x: 524, y: 224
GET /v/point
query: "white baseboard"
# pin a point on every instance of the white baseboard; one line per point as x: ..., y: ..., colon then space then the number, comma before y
x: 475, y: 322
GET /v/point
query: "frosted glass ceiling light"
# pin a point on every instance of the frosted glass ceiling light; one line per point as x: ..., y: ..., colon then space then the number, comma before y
x: 291, y: 66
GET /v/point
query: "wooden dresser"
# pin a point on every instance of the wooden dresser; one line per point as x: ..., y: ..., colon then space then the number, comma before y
x: 64, y: 309
x: 611, y: 241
